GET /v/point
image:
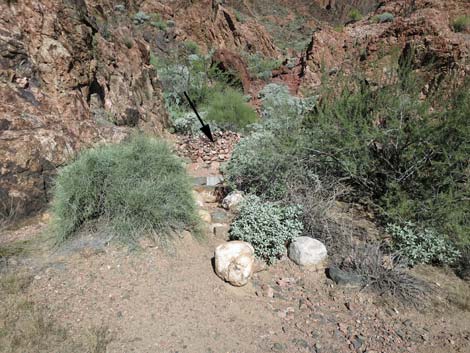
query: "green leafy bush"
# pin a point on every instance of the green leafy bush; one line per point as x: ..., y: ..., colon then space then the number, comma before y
x: 354, y: 15
x: 267, y: 226
x: 422, y: 245
x: 136, y: 187
x: 229, y: 110
x: 461, y: 23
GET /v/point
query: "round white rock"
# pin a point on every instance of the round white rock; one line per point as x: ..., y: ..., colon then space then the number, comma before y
x: 234, y: 262
x: 306, y: 251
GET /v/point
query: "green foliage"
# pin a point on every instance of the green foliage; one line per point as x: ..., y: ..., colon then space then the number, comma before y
x: 403, y: 156
x: 397, y: 153
x: 140, y: 17
x: 461, y: 23
x: 191, y: 47
x: 261, y: 67
x: 137, y: 187
x: 262, y: 162
x: 383, y: 17
x: 267, y: 226
x: 422, y: 245
x: 158, y: 22
x: 230, y: 110
x: 355, y: 15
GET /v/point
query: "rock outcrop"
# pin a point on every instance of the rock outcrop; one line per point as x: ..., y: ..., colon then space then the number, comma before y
x: 66, y: 82
x: 420, y: 30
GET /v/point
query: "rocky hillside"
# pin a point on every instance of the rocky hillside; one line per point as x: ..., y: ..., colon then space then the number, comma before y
x: 78, y: 72
x: 66, y: 80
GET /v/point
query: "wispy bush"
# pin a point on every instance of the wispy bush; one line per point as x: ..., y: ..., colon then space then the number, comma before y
x: 267, y: 226
x: 386, y: 274
x: 230, y: 110
x: 137, y: 188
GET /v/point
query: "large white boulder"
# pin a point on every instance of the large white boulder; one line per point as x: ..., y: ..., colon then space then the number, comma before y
x: 306, y: 251
x: 234, y: 262
x: 232, y: 200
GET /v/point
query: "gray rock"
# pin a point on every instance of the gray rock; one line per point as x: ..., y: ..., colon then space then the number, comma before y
x: 232, y: 200
x: 344, y: 278
x: 214, y: 180
x: 306, y: 251
x: 219, y: 217
x: 199, y: 180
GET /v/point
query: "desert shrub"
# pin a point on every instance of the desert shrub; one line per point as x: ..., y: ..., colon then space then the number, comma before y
x: 406, y: 159
x: 140, y: 17
x: 267, y: 226
x: 422, y: 245
x: 263, y: 161
x: 461, y: 23
x: 230, y: 110
x: 137, y: 187
x: 354, y: 15
x: 385, y: 274
x: 191, y: 47
x: 157, y: 21
x: 383, y: 17
x: 261, y: 67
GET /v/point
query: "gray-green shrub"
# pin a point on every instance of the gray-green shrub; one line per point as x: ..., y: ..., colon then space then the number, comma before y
x: 422, y: 245
x: 267, y: 226
x: 137, y: 187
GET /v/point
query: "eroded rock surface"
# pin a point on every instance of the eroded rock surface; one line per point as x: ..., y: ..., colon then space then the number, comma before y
x: 66, y: 82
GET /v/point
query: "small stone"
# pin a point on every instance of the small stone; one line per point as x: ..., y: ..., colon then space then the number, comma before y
x: 205, y: 216
x: 344, y: 278
x: 199, y: 180
x: 278, y: 347
x: 221, y: 230
x: 267, y: 291
x: 214, y: 180
x: 357, y: 342
x: 306, y: 251
x: 232, y: 200
x: 234, y: 262
x: 219, y: 217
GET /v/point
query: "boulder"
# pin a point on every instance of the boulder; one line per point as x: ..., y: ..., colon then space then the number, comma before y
x: 306, y: 251
x: 232, y: 200
x: 234, y: 262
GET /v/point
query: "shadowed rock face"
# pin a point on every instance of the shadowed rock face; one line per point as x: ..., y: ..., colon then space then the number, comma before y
x: 65, y: 87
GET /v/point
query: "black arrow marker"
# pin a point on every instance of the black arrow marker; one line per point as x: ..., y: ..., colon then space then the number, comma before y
x: 205, y: 127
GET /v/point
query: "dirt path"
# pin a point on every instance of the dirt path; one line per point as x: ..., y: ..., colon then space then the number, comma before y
x: 170, y: 300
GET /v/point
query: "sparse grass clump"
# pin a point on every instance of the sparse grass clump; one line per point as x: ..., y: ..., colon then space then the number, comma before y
x: 137, y: 188
x: 461, y: 23
x: 385, y: 274
x: 229, y: 110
